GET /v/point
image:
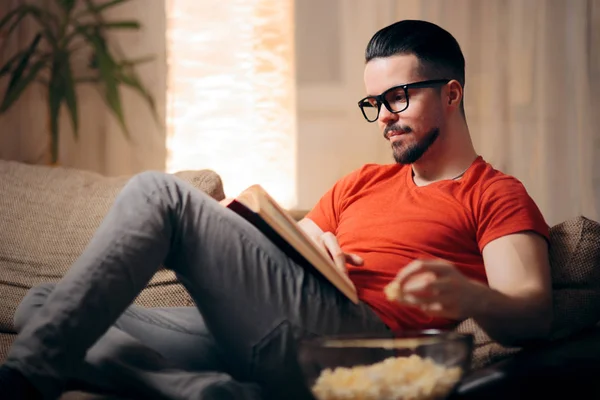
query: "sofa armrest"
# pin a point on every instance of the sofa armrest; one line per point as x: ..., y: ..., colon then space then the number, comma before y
x: 205, y: 180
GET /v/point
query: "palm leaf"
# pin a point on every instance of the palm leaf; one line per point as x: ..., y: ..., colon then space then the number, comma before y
x: 121, y: 25
x: 8, y: 66
x: 22, y: 64
x: 136, y: 61
x: 97, y: 9
x: 12, y: 95
x: 26, y: 65
x: 43, y: 17
x: 103, y: 25
x: 20, y: 80
x: 70, y: 95
x: 108, y: 70
x: 11, y: 14
x: 18, y: 20
x: 55, y: 98
x: 133, y: 81
x: 66, y: 5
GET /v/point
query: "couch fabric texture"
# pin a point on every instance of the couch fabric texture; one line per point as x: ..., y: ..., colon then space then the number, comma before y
x: 49, y: 214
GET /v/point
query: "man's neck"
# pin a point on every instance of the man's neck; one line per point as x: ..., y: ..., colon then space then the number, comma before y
x: 446, y: 160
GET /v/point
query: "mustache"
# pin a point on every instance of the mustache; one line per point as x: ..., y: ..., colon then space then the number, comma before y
x: 396, y: 127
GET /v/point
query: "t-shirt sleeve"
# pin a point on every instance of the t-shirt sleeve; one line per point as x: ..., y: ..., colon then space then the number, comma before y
x: 326, y: 213
x: 506, y: 208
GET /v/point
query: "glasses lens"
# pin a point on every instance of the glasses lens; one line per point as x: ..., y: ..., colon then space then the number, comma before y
x: 397, y: 100
x: 370, y: 108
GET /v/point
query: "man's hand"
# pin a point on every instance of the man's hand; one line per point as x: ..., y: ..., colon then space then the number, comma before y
x: 328, y: 242
x: 515, y: 306
x: 437, y: 287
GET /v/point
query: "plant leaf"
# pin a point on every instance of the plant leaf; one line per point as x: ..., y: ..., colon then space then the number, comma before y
x: 9, y: 16
x: 16, y: 22
x: 42, y: 16
x: 96, y: 9
x: 121, y: 25
x: 103, y: 25
x: 6, y: 68
x: 16, y: 75
x: 133, y: 81
x: 18, y: 81
x: 55, y: 98
x: 67, y: 5
x: 108, y: 70
x: 136, y: 61
x: 12, y: 95
x: 69, y: 93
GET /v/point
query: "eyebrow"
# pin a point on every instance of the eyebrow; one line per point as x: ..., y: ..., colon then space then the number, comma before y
x: 389, y: 87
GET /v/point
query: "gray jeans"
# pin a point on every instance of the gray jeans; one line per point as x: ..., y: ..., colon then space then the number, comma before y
x: 254, y: 304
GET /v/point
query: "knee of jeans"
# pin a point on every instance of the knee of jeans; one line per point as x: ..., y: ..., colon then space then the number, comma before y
x: 34, y: 299
x: 149, y: 180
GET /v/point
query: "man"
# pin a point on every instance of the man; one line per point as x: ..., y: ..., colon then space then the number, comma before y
x: 458, y: 238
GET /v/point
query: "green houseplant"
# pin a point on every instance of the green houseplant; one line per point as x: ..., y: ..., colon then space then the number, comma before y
x: 69, y: 28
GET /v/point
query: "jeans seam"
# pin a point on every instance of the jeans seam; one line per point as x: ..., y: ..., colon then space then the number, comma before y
x: 159, y: 323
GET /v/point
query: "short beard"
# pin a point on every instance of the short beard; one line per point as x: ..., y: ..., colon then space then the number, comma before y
x: 411, y: 153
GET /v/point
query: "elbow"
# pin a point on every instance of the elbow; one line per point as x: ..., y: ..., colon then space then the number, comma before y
x: 533, y: 329
x: 544, y: 319
x: 545, y: 323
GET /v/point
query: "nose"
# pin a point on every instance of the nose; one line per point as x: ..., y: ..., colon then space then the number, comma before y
x: 385, y: 116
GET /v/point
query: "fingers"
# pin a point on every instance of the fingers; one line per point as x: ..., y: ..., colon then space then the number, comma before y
x: 333, y: 248
x: 354, y: 259
x: 433, y: 290
x: 438, y: 267
x: 435, y: 286
x: 337, y: 254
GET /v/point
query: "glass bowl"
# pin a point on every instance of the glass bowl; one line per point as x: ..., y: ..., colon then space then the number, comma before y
x: 419, y: 365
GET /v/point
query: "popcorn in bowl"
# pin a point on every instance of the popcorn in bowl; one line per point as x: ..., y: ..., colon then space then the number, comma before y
x: 394, y: 378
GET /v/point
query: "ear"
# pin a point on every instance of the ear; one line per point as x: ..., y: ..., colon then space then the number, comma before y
x: 454, y: 93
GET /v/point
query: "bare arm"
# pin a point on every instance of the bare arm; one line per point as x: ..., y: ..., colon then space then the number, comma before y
x: 514, y: 308
x: 517, y: 306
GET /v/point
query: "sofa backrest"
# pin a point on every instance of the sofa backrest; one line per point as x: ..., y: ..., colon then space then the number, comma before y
x: 47, y: 217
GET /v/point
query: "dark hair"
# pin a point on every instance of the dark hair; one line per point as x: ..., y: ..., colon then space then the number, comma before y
x: 438, y: 51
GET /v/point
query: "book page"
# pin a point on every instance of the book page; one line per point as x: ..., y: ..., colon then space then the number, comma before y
x: 291, y: 228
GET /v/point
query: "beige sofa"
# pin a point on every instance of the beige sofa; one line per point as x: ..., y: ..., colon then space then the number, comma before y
x: 48, y: 215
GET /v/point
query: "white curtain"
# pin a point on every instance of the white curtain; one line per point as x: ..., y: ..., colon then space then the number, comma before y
x: 531, y: 95
x: 231, y: 92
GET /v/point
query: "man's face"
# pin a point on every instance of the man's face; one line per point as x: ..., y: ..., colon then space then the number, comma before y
x: 413, y: 131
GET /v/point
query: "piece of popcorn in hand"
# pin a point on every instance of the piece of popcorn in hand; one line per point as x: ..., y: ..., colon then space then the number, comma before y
x: 392, y: 291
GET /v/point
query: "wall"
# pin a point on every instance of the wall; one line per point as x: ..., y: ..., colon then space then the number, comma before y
x: 333, y: 137
x: 532, y: 90
x: 101, y: 146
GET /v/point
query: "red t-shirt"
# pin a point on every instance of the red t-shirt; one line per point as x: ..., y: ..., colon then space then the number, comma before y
x: 380, y: 214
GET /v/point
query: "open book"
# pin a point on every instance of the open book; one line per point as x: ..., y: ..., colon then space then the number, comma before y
x: 260, y: 209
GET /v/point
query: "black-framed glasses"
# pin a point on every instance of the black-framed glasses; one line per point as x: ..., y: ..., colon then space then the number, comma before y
x: 395, y: 99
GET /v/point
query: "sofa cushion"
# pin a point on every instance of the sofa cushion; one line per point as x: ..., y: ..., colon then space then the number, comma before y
x: 574, y: 253
x: 49, y: 215
x: 575, y: 261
